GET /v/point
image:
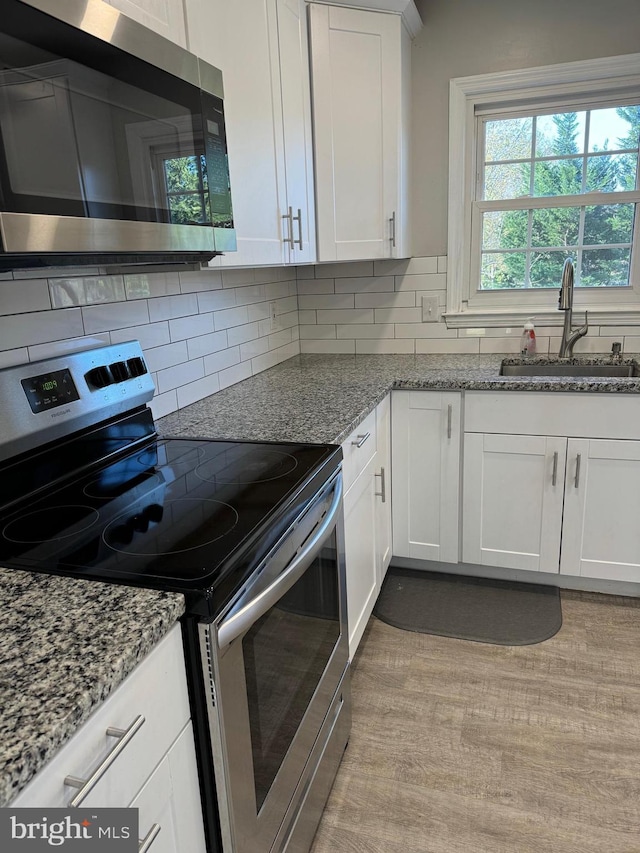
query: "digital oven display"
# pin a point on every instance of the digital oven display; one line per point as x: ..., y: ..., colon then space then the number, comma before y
x: 50, y: 390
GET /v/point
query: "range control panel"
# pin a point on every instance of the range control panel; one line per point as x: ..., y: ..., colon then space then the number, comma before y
x: 43, y: 400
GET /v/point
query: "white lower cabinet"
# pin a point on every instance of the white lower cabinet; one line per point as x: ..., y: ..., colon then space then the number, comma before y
x: 426, y: 474
x: 512, y: 500
x: 156, y: 769
x: 367, y: 516
x: 601, y: 532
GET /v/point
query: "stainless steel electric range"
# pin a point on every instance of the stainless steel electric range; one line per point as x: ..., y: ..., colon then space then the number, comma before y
x: 251, y: 533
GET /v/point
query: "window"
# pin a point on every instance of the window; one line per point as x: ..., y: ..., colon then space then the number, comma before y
x: 544, y: 167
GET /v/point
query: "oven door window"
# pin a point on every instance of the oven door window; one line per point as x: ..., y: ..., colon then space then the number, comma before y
x: 285, y: 655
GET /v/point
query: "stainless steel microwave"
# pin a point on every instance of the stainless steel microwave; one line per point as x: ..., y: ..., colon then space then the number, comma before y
x: 112, y: 141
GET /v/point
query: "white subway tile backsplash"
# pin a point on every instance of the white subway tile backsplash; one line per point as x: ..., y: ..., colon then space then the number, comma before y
x: 316, y: 285
x: 234, y: 374
x: 181, y: 374
x: 386, y: 300
x: 398, y: 315
x: 307, y: 317
x: 435, y: 281
x: 67, y: 292
x: 219, y: 360
x: 594, y: 344
x: 143, y: 285
x: 283, y: 306
x: 149, y: 335
x: 279, y: 339
x: 346, y: 269
x: 442, y: 263
x: 164, y: 404
x: 18, y: 297
x: 206, y: 344
x: 317, y: 332
x: 511, y: 345
x: 278, y: 290
x: 254, y: 348
x: 270, y: 359
x: 242, y: 334
x: 439, y: 345
x: 55, y: 348
x: 254, y: 293
x: 216, y: 300
x: 424, y: 330
x: 172, y: 307
x: 358, y: 315
x: 230, y: 317
x: 194, y: 391
x: 328, y: 346
x: 190, y: 327
x: 288, y: 321
x: 365, y: 284
x: 366, y: 330
x: 199, y: 280
x: 14, y: 356
x: 259, y: 311
x: 159, y: 358
x: 406, y: 266
x: 115, y: 315
x: 382, y: 346
x: 41, y: 327
x: 332, y: 300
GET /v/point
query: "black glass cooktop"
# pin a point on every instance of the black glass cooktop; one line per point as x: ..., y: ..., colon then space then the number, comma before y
x: 176, y: 514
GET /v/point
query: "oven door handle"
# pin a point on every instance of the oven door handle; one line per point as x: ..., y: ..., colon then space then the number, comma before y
x: 237, y: 624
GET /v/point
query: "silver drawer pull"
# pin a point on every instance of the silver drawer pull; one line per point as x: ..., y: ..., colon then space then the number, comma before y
x: 576, y: 482
x: 87, y: 785
x: 361, y: 439
x: 554, y: 476
x: 150, y: 837
x: 289, y: 217
x: 449, y: 416
x: 383, y: 488
x: 297, y: 219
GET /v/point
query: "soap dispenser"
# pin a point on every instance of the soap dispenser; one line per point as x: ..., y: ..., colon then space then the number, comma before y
x: 528, y: 339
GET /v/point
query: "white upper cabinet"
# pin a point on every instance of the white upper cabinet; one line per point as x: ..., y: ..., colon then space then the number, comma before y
x: 360, y: 72
x: 165, y: 17
x: 261, y: 48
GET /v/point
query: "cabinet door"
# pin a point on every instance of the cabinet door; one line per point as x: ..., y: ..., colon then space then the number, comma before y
x: 512, y: 500
x: 356, y: 79
x: 165, y: 17
x: 601, y: 534
x: 360, y: 553
x: 295, y: 117
x: 426, y: 474
x: 170, y: 799
x: 240, y: 38
x: 383, y: 487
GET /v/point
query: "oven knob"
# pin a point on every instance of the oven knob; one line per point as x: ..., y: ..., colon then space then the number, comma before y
x: 154, y: 512
x: 119, y: 371
x: 136, y: 366
x: 140, y: 522
x: 98, y: 377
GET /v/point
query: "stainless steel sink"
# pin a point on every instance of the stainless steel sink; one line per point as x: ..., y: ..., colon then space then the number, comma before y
x: 570, y: 369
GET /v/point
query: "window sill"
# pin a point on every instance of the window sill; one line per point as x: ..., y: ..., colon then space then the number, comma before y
x: 497, y: 318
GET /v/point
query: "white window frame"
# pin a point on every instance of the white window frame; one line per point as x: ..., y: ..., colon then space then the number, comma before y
x: 588, y: 82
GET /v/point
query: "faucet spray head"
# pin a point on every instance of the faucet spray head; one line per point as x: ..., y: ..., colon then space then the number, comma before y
x: 565, y: 301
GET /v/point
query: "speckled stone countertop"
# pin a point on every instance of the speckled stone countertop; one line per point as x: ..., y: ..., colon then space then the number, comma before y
x: 65, y: 645
x: 322, y: 398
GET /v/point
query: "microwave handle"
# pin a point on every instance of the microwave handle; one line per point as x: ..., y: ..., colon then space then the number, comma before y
x: 236, y: 625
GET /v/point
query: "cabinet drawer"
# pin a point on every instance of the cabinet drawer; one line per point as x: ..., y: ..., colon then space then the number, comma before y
x: 156, y: 689
x: 358, y: 449
x: 576, y: 415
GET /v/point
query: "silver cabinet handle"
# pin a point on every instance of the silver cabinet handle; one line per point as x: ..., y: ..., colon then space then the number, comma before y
x: 297, y: 219
x: 145, y: 843
x: 576, y: 482
x: 449, y: 417
x: 361, y: 439
x: 236, y: 625
x: 393, y: 229
x: 289, y: 217
x: 85, y: 786
x: 554, y: 476
x: 383, y: 486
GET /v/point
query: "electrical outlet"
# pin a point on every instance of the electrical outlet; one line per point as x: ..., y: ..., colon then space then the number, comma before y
x: 273, y: 316
x: 430, y: 309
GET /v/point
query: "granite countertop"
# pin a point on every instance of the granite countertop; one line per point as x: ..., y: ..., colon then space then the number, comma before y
x: 323, y: 398
x: 65, y: 645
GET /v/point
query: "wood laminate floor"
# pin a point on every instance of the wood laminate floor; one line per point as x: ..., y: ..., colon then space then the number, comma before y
x: 461, y: 747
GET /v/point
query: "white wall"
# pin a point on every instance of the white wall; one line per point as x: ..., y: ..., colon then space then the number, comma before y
x: 465, y: 37
x: 200, y: 331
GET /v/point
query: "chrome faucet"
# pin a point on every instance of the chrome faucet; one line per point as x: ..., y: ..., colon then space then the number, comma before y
x: 565, y: 303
